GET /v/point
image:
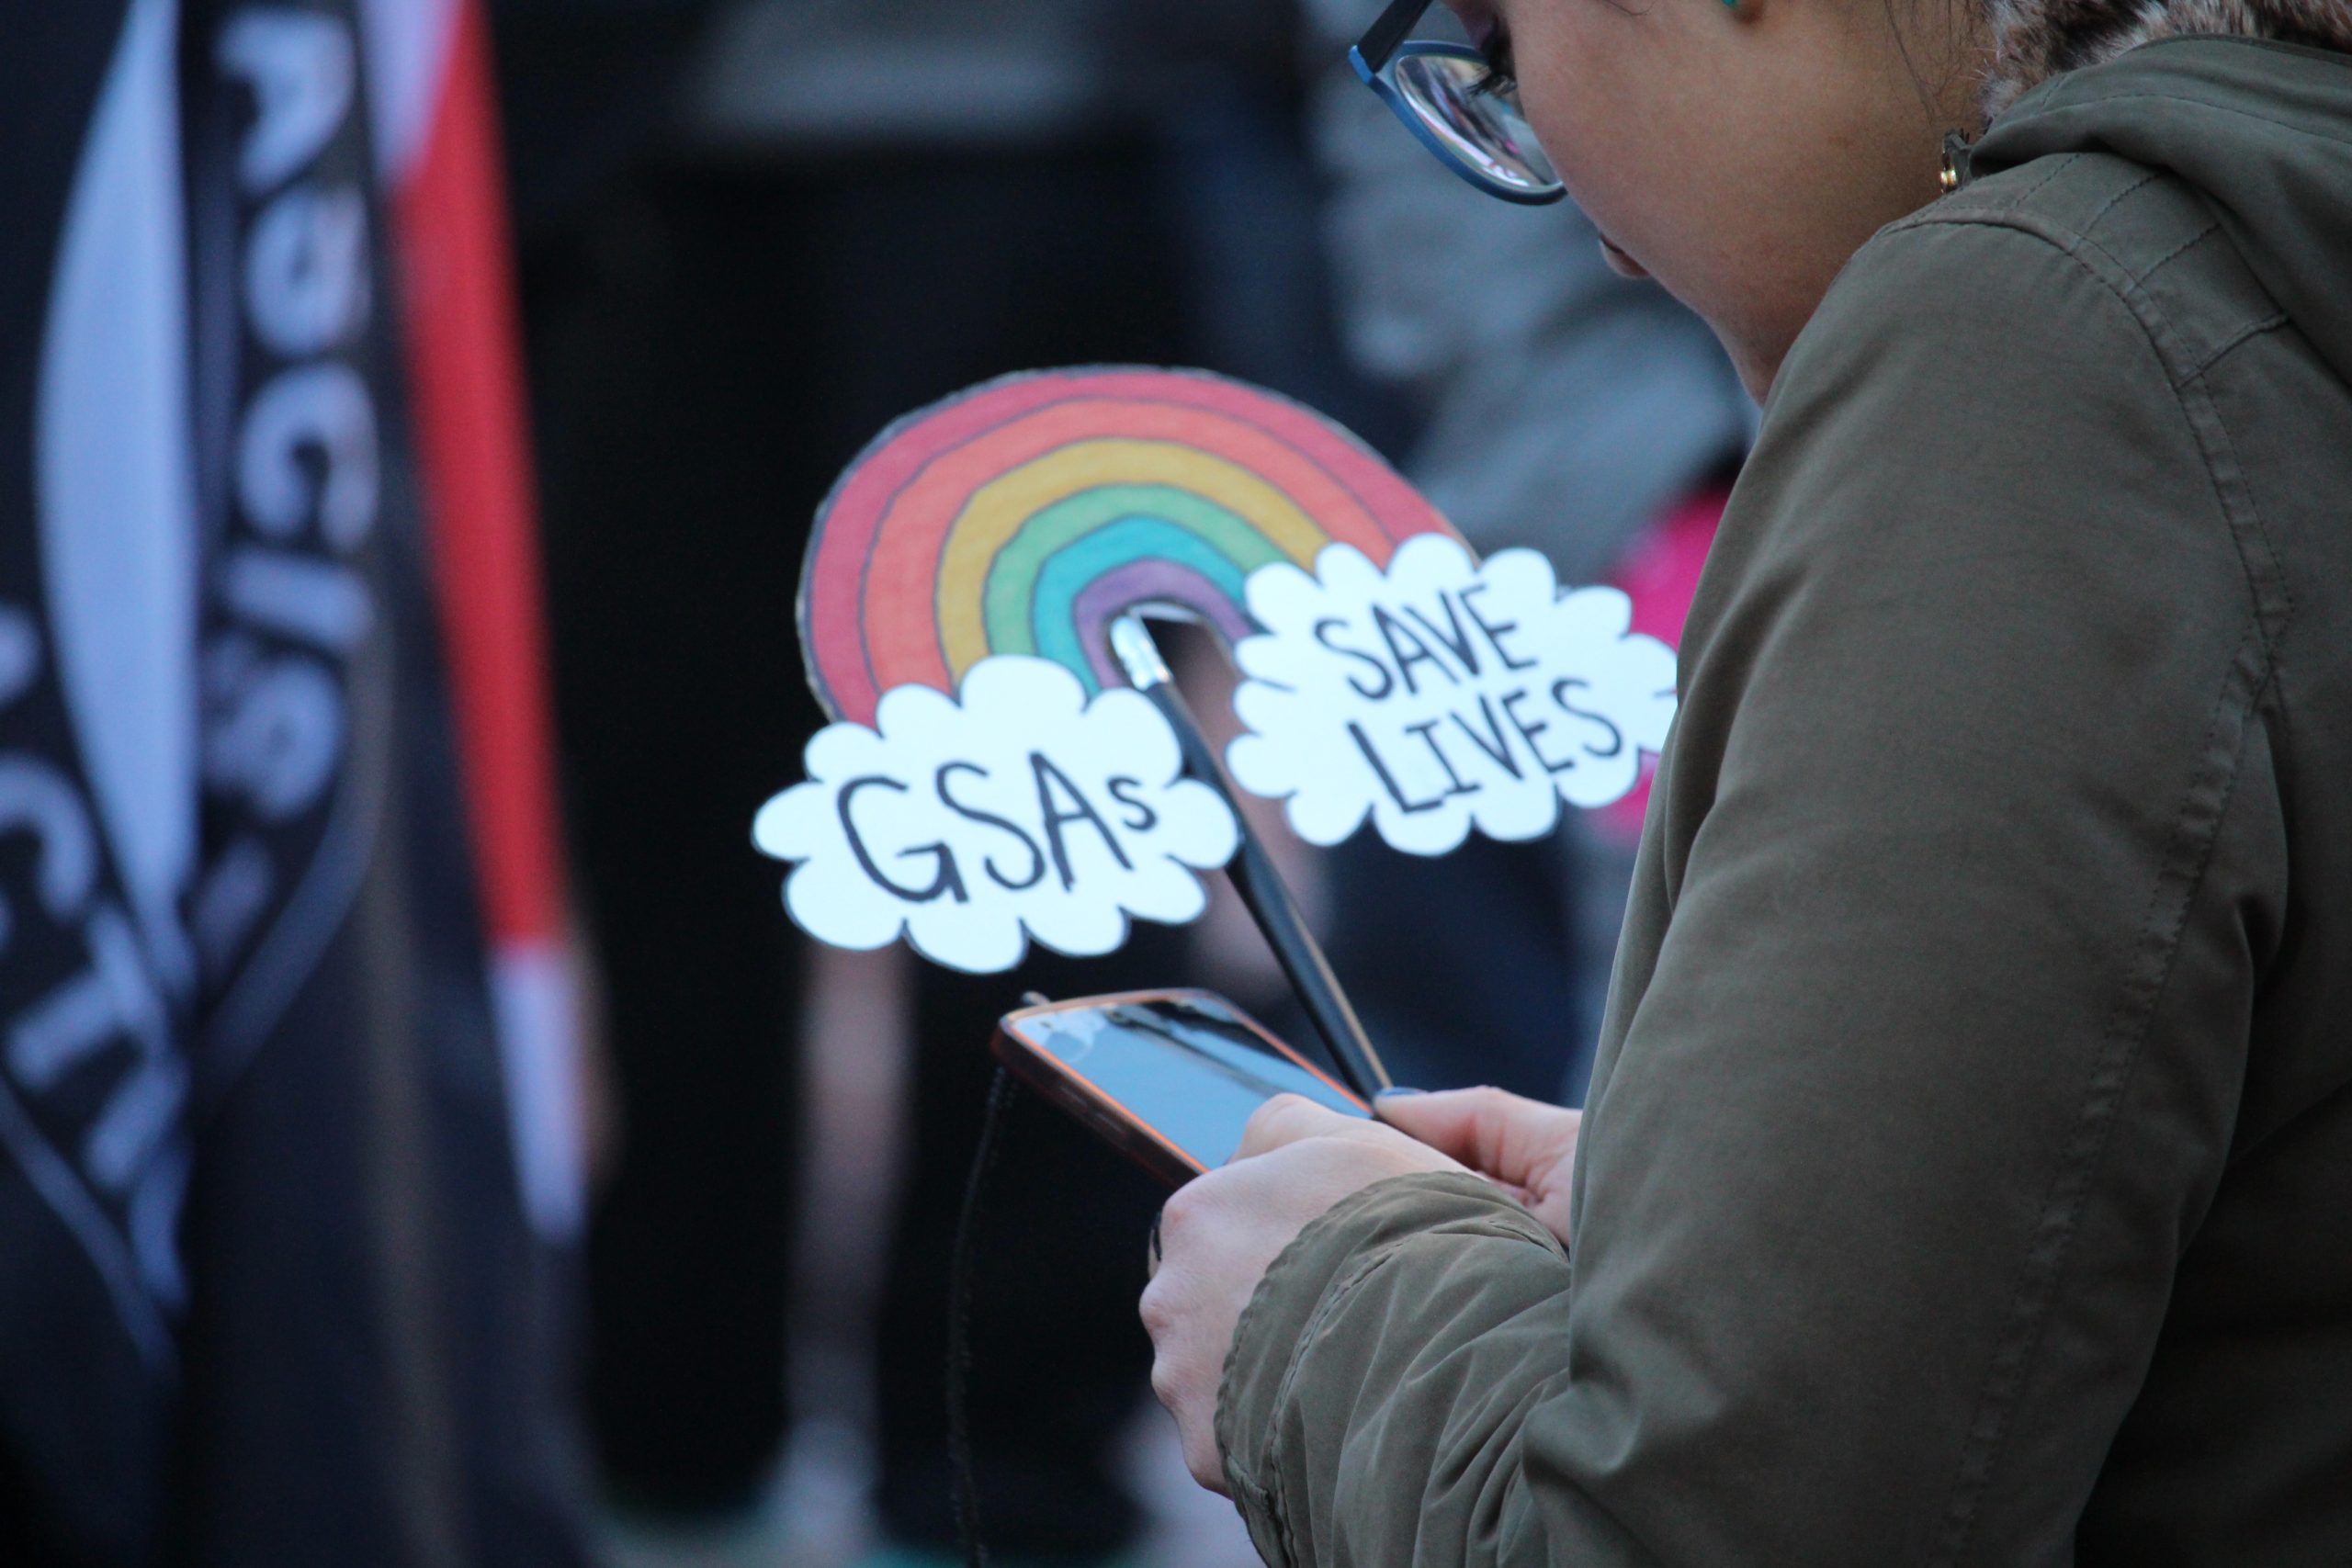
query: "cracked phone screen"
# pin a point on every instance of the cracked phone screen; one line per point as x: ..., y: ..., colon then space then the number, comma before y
x: 1191, y: 1068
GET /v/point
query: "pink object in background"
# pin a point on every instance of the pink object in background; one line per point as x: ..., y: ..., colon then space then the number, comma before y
x: 1660, y: 574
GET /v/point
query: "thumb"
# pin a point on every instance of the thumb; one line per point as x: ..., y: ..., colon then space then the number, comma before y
x: 1521, y: 1142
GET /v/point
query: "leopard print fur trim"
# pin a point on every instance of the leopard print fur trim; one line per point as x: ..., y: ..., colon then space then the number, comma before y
x: 2036, y: 40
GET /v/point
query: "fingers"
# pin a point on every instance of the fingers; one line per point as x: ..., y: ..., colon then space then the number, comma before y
x: 1464, y: 1122
x: 1518, y: 1141
x: 1178, y: 1384
x: 1189, y: 1338
x: 1288, y: 1119
x: 1220, y: 1232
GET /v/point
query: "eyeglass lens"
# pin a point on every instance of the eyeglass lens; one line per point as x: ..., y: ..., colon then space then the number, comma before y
x: 1482, y: 128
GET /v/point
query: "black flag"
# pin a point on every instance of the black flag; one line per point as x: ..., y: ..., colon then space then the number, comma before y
x: 266, y: 1292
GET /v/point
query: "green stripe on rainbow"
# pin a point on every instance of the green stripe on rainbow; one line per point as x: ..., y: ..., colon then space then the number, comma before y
x: 988, y: 524
x: 1057, y: 632
x: 1001, y: 510
x: 1198, y: 532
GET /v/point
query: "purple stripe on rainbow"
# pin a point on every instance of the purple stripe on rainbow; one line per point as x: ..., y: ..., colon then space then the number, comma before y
x: 1118, y: 590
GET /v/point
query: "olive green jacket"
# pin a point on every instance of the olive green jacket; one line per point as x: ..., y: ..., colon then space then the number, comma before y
x: 1967, y: 1176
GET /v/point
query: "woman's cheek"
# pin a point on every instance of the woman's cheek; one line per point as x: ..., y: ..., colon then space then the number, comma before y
x: 1579, y: 123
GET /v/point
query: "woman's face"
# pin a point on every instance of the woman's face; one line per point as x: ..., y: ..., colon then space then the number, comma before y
x: 1738, y: 157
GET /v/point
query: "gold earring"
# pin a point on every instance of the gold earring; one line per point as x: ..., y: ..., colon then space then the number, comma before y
x: 1954, y: 172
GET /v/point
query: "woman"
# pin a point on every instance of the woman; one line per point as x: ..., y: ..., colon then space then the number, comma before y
x: 1967, y: 1173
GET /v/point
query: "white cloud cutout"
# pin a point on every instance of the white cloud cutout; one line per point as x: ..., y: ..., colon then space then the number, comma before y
x: 1020, y: 810
x: 1443, y: 696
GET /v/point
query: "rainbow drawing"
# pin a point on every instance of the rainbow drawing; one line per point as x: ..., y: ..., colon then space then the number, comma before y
x: 1022, y: 515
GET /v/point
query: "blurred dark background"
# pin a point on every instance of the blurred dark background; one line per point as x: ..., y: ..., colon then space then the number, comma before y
x: 610, y: 1219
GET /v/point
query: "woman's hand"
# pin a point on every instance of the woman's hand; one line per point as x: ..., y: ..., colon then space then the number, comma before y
x: 1219, y: 1233
x: 1523, y: 1145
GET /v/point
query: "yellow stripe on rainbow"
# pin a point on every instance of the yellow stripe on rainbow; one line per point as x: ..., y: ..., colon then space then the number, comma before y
x: 998, y: 509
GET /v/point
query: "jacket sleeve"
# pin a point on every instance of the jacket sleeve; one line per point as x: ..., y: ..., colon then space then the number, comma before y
x: 1962, y: 867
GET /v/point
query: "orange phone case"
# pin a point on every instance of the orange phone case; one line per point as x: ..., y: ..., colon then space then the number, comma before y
x: 1070, y: 1090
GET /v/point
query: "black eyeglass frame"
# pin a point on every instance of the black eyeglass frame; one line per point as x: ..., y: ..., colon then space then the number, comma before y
x: 1392, y: 27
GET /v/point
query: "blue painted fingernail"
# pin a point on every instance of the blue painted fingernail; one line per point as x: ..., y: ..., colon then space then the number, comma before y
x: 1395, y: 1094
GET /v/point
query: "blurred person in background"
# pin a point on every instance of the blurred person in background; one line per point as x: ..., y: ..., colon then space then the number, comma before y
x: 1561, y: 407
x: 288, y: 1151
x: 756, y: 234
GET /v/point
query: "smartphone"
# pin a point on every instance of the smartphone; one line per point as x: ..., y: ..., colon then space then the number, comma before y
x: 1168, y: 1077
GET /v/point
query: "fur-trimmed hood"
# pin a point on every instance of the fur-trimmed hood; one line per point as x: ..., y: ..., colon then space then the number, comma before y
x: 2036, y: 40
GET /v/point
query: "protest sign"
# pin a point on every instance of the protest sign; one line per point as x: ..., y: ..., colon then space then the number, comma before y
x: 1443, y: 696
x: 1023, y: 810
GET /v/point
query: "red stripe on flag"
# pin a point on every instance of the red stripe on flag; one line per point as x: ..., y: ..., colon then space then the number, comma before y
x: 473, y: 444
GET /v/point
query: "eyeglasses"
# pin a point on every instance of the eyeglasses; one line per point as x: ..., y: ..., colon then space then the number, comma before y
x: 1450, y: 97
